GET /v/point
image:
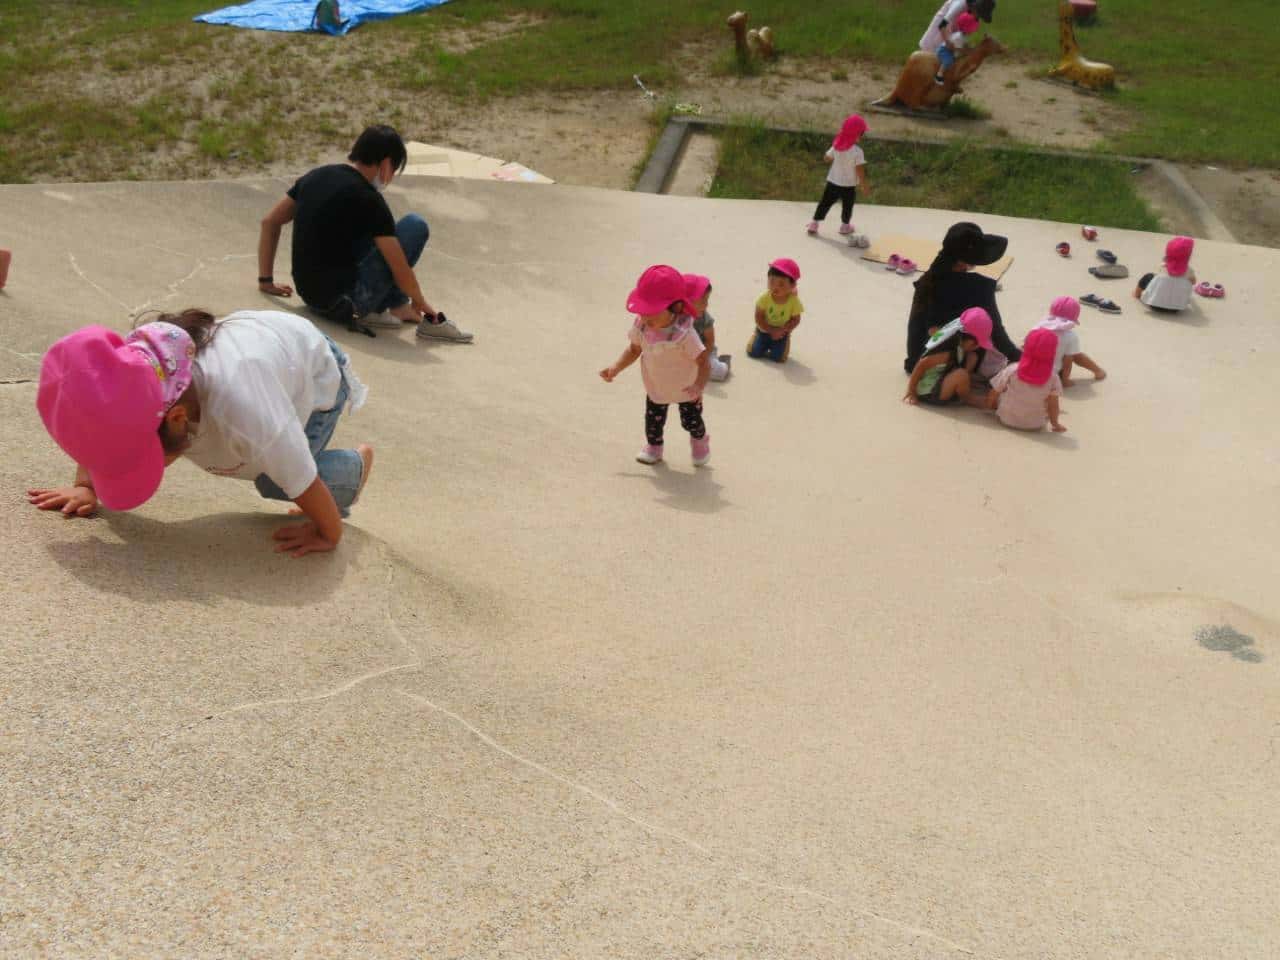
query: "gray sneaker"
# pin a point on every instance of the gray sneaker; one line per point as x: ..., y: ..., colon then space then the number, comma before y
x: 443, y: 329
x: 384, y: 320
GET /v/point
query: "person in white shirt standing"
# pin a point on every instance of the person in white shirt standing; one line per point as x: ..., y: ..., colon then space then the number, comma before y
x: 847, y: 173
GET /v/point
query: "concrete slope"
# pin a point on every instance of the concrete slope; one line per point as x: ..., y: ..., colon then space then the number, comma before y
x: 879, y: 682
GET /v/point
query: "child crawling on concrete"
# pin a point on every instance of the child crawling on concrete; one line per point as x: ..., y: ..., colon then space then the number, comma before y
x: 255, y: 395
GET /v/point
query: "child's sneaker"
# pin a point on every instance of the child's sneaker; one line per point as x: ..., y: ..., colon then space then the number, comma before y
x: 811, y: 228
x: 846, y: 229
x: 650, y: 454
x: 938, y: 79
x: 701, y: 450
x: 727, y: 360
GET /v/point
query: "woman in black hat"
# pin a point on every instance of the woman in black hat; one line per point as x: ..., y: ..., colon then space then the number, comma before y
x: 948, y: 289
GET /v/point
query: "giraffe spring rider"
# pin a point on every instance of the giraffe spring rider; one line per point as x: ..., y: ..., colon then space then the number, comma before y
x: 1074, y: 67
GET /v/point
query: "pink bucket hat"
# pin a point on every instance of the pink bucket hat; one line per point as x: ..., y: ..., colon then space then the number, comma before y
x: 1065, y: 308
x: 977, y: 324
x: 850, y: 132
x: 102, y: 399
x: 967, y: 23
x: 1038, y: 353
x: 788, y: 266
x: 658, y: 287
x: 695, y: 285
x: 1177, y: 255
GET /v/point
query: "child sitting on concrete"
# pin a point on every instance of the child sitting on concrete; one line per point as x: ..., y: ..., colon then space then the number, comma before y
x: 1171, y: 288
x: 1025, y: 396
x: 697, y: 295
x: 777, y: 313
x: 1064, y: 317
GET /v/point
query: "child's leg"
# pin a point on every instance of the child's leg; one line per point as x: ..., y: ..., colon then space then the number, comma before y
x: 1065, y: 373
x: 758, y: 346
x: 847, y: 197
x: 1087, y: 362
x: 830, y: 194
x: 955, y: 386
x: 719, y: 369
x: 1143, y: 283
x: 691, y: 419
x: 945, y: 60
x: 655, y: 421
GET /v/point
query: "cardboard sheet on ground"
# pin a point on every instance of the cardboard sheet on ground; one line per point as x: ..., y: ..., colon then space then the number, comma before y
x: 427, y: 160
x: 294, y: 16
x: 923, y: 252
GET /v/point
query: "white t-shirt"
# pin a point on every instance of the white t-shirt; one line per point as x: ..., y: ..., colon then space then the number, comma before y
x: 844, y: 166
x: 933, y: 37
x: 1068, y: 341
x: 1169, y: 293
x: 258, y: 380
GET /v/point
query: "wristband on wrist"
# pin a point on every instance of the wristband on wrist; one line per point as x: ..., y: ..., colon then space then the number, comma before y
x: 267, y: 279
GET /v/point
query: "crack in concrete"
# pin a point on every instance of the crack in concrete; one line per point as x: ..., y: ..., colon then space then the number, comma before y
x: 11, y: 382
x: 85, y: 277
x: 201, y: 263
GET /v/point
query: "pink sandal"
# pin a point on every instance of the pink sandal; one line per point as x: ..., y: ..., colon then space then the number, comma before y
x: 1207, y: 289
x: 906, y: 266
x: 1064, y: 249
x: 894, y: 260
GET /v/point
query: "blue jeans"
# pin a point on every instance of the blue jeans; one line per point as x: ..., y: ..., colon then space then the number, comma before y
x: 375, y: 289
x: 946, y: 58
x: 341, y: 470
x: 763, y: 346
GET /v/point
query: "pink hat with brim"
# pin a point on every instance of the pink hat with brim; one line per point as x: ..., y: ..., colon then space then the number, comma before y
x: 851, y: 132
x: 1038, y: 353
x: 695, y: 285
x: 102, y: 399
x: 977, y: 324
x: 788, y: 266
x: 1177, y: 255
x: 658, y: 287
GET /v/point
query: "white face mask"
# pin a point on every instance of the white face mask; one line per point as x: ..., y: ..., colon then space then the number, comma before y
x: 378, y: 184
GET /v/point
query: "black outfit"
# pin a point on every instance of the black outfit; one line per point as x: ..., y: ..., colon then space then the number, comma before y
x: 832, y: 193
x: 952, y: 294
x: 339, y: 213
x: 655, y: 420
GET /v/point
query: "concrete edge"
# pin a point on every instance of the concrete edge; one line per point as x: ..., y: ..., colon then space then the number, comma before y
x: 666, y: 155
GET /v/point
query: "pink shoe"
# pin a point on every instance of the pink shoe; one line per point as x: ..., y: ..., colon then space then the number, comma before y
x: 846, y: 229
x: 650, y: 454
x: 895, y: 259
x: 906, y: 267
x: 812, y: 228
x: 701, y: 451
x: 1207, y: 289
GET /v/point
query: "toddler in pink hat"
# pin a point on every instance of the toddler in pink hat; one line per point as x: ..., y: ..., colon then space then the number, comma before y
x: 1025, y: 395
x: 951, y: 357
x: 255, y: 395
x: 848, y: 172
x: 778, y: 312
x: 1170, y: 288
x: 673, y: 361
x: 1063, y: 319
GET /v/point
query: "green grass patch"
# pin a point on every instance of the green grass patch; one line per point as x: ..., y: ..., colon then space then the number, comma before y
x: 756, y: 163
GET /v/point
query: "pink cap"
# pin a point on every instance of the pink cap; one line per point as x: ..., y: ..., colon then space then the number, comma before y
x: 1038, y: 352
x: 695, y: 285
x: 967, y: 23
x: 102, y: 399
x: 977, y: 324
x: 1065, y: 308
x: 850, y: 132
x: 1177, y: 255
x: 658, y: 287
x: 788, y: 266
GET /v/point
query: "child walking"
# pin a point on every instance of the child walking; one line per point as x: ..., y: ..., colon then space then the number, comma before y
x: 847, y: 173
x: 1025, y: 396
x: 697, y: 295
x: 255, y: 395
x: 1064, y: 317
x: 777, y: 313
x: 951, y: 357
x: 673, y: 361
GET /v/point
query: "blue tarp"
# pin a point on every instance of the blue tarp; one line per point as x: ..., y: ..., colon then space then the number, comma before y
x: 295, y: 15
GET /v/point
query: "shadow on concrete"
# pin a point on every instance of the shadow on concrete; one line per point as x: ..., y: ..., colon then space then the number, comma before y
x: 694, y: 492
x: 988, y: 418
x: 798, y: 372
x: 203, y: 560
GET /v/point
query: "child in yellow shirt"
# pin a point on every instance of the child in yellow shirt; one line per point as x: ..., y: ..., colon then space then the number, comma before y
x: 777, y: 313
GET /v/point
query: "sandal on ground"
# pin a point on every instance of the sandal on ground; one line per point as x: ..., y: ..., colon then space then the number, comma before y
x: 894, y: 260
x: 1110, y: 271
x: 1106, y: 256
x: 1207, y: 289
x: 1063, y: 249
x: 859, y: 240
x: 1088, y: 232
x: 907, y: 266
x: 1102, y: 303
x: 811, y: 228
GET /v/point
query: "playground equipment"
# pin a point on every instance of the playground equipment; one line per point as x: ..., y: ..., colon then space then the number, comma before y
x: 748, y: 43
x: 916, y: 89
x: 1074, y: 67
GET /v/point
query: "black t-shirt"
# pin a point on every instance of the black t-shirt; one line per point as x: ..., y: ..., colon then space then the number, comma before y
x: 952, y: 295
x: 339, y: 213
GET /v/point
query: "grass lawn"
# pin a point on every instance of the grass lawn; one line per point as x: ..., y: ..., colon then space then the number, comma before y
x: 1197, y: 78
x: 755, y: 163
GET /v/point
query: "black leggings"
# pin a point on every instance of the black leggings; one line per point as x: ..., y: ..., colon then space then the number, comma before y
x: 655, y: 420
x: 846, y: 196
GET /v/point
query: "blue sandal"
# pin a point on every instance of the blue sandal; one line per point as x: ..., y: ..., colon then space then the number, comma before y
x: 1102, y: 303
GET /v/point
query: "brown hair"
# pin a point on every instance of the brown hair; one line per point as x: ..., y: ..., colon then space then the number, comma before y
x: 201, y: 327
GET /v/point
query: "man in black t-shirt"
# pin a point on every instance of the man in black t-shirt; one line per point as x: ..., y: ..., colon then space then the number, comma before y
x: 352, y: 261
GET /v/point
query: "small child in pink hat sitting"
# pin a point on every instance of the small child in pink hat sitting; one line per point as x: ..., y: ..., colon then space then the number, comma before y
x: 673, y: 361
x: 1063, y: 318
x: 951, y: 357
x: 1171, y: 288
x: 255, y: 396
x: 777, y: 313
x: 1025, y: 396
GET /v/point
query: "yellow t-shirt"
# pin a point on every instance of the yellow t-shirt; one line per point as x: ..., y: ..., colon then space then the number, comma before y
x: 779, y: 314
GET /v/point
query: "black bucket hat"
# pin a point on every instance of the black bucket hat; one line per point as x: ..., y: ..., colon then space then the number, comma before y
x: 985, y: 9
x: 966, y: 241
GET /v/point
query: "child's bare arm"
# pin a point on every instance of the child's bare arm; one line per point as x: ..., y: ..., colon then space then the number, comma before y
x: 694, y: 390
x: 863, y: 183
x: 1051, y: 405
x: 78, y: 500
x: 625, y: 359
x: 762, y: 321
x: 324, y: 529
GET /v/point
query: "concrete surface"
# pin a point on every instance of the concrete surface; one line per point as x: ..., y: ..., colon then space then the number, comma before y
x: 880, y: 682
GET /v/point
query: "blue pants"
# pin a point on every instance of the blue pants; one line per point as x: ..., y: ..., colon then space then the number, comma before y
x: 375, y: 289
x: 946, y: 58
x: 763, y: 346
x: 341, y: 470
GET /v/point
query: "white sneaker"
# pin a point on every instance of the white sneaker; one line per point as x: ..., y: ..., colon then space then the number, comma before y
x: 384, y: 319
x: 443, y: 330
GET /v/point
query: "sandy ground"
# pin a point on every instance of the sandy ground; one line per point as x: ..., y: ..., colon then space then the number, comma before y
x: 880, y: 681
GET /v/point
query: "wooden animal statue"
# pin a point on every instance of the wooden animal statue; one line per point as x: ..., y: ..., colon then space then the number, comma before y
x: 1074, y: 66
x: 758, y: 43
x: 738, y: 24
x: 916, y: 89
